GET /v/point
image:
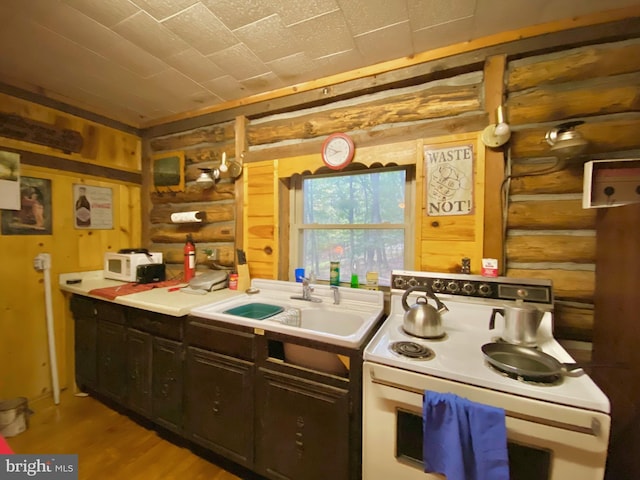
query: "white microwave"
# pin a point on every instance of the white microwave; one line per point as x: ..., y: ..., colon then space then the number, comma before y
x: 123, y: 266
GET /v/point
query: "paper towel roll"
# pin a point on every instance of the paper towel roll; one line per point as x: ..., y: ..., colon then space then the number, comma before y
x: 187, y: 217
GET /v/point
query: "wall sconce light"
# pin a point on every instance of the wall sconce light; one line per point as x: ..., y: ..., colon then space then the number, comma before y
x: 566, y: 142
x: 497, y: 134
x: 208, y: 177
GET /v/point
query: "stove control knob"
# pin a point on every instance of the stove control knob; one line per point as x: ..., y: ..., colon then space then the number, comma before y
x: 437, y: 285
x: 484, y: 289
x: 453, y: 287
x: 468, y: 288
x: 399, y: 282
x: 412, y: 282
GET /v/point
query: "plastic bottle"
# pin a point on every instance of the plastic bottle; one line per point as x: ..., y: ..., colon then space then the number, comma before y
x: 189, y: 259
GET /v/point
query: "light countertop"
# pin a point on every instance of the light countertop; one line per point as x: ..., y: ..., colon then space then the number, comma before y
x: 175, y: 303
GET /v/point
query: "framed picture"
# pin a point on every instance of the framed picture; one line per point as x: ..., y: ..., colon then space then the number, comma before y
x: 168, y: 172
x: 449, y: 179
x: 35, y: 214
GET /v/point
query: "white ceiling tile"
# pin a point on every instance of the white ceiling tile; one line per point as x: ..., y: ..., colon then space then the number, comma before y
x: 142, y: 30
x: 386, y: 43
x: 442, y: 35
x: 427, y: 13
x: 269, y: 38
x: 199, y: 27
x: 106, y: 12
x: 239, y: 62
x: 295, y: 11
x: 324, y: 35
x: 161, y: 9
x: 262, y: 83
x: 236, y: 13
x: 195, y: 65
x: 87, y: 33
x: 227, y: 88
x: 368, y: 15
x: 115, y: 57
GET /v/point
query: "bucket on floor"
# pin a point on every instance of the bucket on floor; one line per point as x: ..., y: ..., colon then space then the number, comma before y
x: 14, y: 416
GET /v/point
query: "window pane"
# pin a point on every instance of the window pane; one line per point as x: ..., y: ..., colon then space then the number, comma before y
x: 367, y: 198
x: 358, y: 251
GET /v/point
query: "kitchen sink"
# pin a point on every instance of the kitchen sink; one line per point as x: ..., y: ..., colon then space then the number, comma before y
x: 346, y: 324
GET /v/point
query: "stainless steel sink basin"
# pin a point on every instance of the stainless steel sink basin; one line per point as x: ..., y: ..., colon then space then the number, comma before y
x: 346, y: 324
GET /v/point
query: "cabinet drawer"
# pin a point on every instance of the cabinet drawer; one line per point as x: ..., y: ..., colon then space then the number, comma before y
x: 157, y: 324
x: 111, y: 312
x: 83, y: 306
x: 221, y: 338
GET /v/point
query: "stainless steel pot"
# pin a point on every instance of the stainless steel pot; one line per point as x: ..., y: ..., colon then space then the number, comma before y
x: 421, y: 319
x: 521, y: 322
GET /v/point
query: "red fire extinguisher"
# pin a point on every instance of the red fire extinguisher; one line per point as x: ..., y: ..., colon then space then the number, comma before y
x: 189, y: 259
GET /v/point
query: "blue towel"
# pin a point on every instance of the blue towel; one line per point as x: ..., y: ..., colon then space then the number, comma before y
x: 464, y: 440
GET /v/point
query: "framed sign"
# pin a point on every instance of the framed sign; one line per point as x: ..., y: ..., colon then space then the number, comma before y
x: 35, y: 214
x: 92, y: 207
x: 449, y: 180
x: 168, y: 172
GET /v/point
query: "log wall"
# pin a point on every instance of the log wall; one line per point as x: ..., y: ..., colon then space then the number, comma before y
x: 549, y: 234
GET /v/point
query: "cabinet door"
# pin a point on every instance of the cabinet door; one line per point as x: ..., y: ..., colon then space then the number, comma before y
x: 86, y: 337
x: 219, y: 404
x: 167, y: 383
x: 112, y: 354
x: 139, y: 346
x: 302, y: 429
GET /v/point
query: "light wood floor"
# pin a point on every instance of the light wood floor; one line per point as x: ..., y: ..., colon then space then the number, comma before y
x: 109, y: 445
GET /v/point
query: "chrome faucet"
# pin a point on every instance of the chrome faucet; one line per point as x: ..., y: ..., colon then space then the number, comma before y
x: 307, y: 289
x: 336, y: 295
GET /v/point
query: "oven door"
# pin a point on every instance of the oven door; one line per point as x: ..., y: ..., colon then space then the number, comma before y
x: 546, y: 441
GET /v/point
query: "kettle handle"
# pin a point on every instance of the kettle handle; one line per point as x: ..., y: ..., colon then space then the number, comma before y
x: 492, y: 322
x: 422, y: 288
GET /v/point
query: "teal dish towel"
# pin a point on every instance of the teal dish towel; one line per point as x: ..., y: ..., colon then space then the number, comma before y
x: 464, y: 440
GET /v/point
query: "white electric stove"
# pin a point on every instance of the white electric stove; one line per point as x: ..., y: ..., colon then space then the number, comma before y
x: 566, y: 416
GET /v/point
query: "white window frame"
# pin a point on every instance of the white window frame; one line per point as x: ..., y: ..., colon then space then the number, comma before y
x: 297, y: 227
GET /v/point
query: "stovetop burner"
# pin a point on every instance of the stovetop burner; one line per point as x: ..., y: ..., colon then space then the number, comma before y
x: 546, y: 381
x: 412, y: 350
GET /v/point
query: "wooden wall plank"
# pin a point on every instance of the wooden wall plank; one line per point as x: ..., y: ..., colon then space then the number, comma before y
x: 565, y: 180
x: 176, y: 233
x: 219, y: 133
x: 568, y: 285
x: 604, y: 135
x: 435, y: 101
x: 550, y: 215
x: 600, y: 96
x: 551, y: 248
x: 573, y: 322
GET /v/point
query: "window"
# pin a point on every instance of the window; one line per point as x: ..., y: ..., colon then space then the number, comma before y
x: 361, y: 219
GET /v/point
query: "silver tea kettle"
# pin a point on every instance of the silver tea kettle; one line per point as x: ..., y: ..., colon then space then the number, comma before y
x: 422, y: 319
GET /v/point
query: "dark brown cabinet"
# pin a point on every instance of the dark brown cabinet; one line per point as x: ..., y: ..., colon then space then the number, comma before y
x: 303, y: 428
x: 224, y: 387
x: 112, y: 360
x: 219, y: 404
x: 86, y: 339
x: 139, y: 345
x: 167, y: 381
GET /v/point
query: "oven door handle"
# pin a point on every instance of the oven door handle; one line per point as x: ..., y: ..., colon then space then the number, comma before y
x: 594, y: 430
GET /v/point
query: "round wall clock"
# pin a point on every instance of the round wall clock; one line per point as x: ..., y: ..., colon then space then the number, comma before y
x: 337, y: 151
